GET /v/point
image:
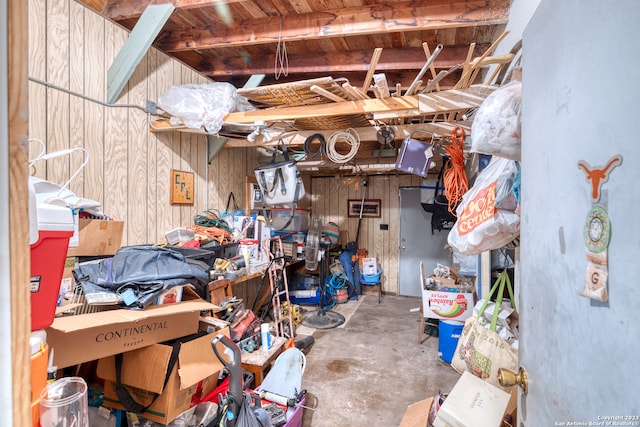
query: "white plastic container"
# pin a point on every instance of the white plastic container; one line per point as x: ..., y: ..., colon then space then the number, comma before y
x: 265, y: 335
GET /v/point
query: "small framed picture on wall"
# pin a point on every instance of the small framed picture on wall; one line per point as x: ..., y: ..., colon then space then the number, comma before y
x: 181, y: 187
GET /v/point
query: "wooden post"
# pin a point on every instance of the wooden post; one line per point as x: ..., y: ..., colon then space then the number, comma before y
x: 19, y: 258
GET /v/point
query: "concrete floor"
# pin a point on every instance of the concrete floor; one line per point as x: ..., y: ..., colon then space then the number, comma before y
x: 366, y: 372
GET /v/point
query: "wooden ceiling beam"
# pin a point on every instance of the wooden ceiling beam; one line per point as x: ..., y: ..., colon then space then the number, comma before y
x: 120, y: 10
x: 297, y: 138
x: 336, y: 62
x: 404, y: 16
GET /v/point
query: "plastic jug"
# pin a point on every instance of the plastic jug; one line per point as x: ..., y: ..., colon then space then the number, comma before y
x: 64, y: 403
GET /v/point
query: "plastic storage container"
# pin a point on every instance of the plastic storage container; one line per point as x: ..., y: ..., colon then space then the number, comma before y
x: 448, y: 335
x: 300, y: 221
x: 39, y: 361
x: 295, y: 419
x: 48, y: 255
x: 304, y: 289
x: 309, y: 296
x: 65, y: 403
x: 371, y: 279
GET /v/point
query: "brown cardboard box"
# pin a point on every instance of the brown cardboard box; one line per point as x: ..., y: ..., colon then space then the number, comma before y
x: 67, y: 284
x: 511, y: 413
x: 417, y: 414
x: 87, y: 337
x: 211, y: 324
x: 218, y: 290
x: 370, y: 290
x: 97, y: 238
x: 144, y: 371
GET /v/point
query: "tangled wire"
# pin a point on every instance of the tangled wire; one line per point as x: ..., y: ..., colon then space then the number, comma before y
x: 455, y: 178
x: 212, y: 227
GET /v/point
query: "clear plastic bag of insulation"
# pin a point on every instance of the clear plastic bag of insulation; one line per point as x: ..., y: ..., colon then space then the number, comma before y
x: 202, y: 105
x: 487, y: 216
x: 496, y: 126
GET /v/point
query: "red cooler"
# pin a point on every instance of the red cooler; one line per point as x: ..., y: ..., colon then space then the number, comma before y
x: 48, y: 255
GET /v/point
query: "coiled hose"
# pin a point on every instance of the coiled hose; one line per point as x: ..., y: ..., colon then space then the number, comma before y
x: 350, y: 136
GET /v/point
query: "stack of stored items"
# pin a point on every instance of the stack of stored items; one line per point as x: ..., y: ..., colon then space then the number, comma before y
x: 448, y: 297
x: 160, y: 355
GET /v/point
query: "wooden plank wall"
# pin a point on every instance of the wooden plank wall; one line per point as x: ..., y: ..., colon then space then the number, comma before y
x: 72, y: 47
x: 330, y: 196
x: 128, y: 171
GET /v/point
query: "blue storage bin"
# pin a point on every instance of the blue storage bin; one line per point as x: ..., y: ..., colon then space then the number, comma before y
x: 371, y: 279
x: 308, y: 300
x: 449, y: 332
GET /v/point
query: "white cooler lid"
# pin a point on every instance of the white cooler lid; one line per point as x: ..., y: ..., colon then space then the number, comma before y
x: 53, y: 217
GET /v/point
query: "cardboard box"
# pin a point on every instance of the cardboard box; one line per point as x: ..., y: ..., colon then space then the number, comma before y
x: 417, y: 414
x: 87, y: 337
x: 447, y: 305
x: 210, y: 324
x: 473, y: 403
x: 144, y: 371
x: 290, y: 249
x: 67, y: 284
x: 511, y: 413
x: 369, y: 266
x: 97, y: 238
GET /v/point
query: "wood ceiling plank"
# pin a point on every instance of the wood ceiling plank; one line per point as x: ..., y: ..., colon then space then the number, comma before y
x: 453, y: 100
x: 405, y: 16
x: 325, y: 110
x: 297, y: 138
x: 119, y: 10
x: 390, y: 59
x: 442, y: 102
x: 96, y: 5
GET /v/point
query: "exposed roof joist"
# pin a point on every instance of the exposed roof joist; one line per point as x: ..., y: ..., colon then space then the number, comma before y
x: 365, y: 20
x: 337, y: 62
x: 127, y: 9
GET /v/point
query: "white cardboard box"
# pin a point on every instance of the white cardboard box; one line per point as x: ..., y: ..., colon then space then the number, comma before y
x: 473, y: 403
x: 369, y: 266
x: 447, y: 305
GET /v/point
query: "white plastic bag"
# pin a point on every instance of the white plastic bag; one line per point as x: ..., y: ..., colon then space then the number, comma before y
x: 496, y: 127
x: 487, y: 216
x: 198, y: 105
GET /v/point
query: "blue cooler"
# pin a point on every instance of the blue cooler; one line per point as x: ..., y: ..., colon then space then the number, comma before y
x: 449, y: 332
